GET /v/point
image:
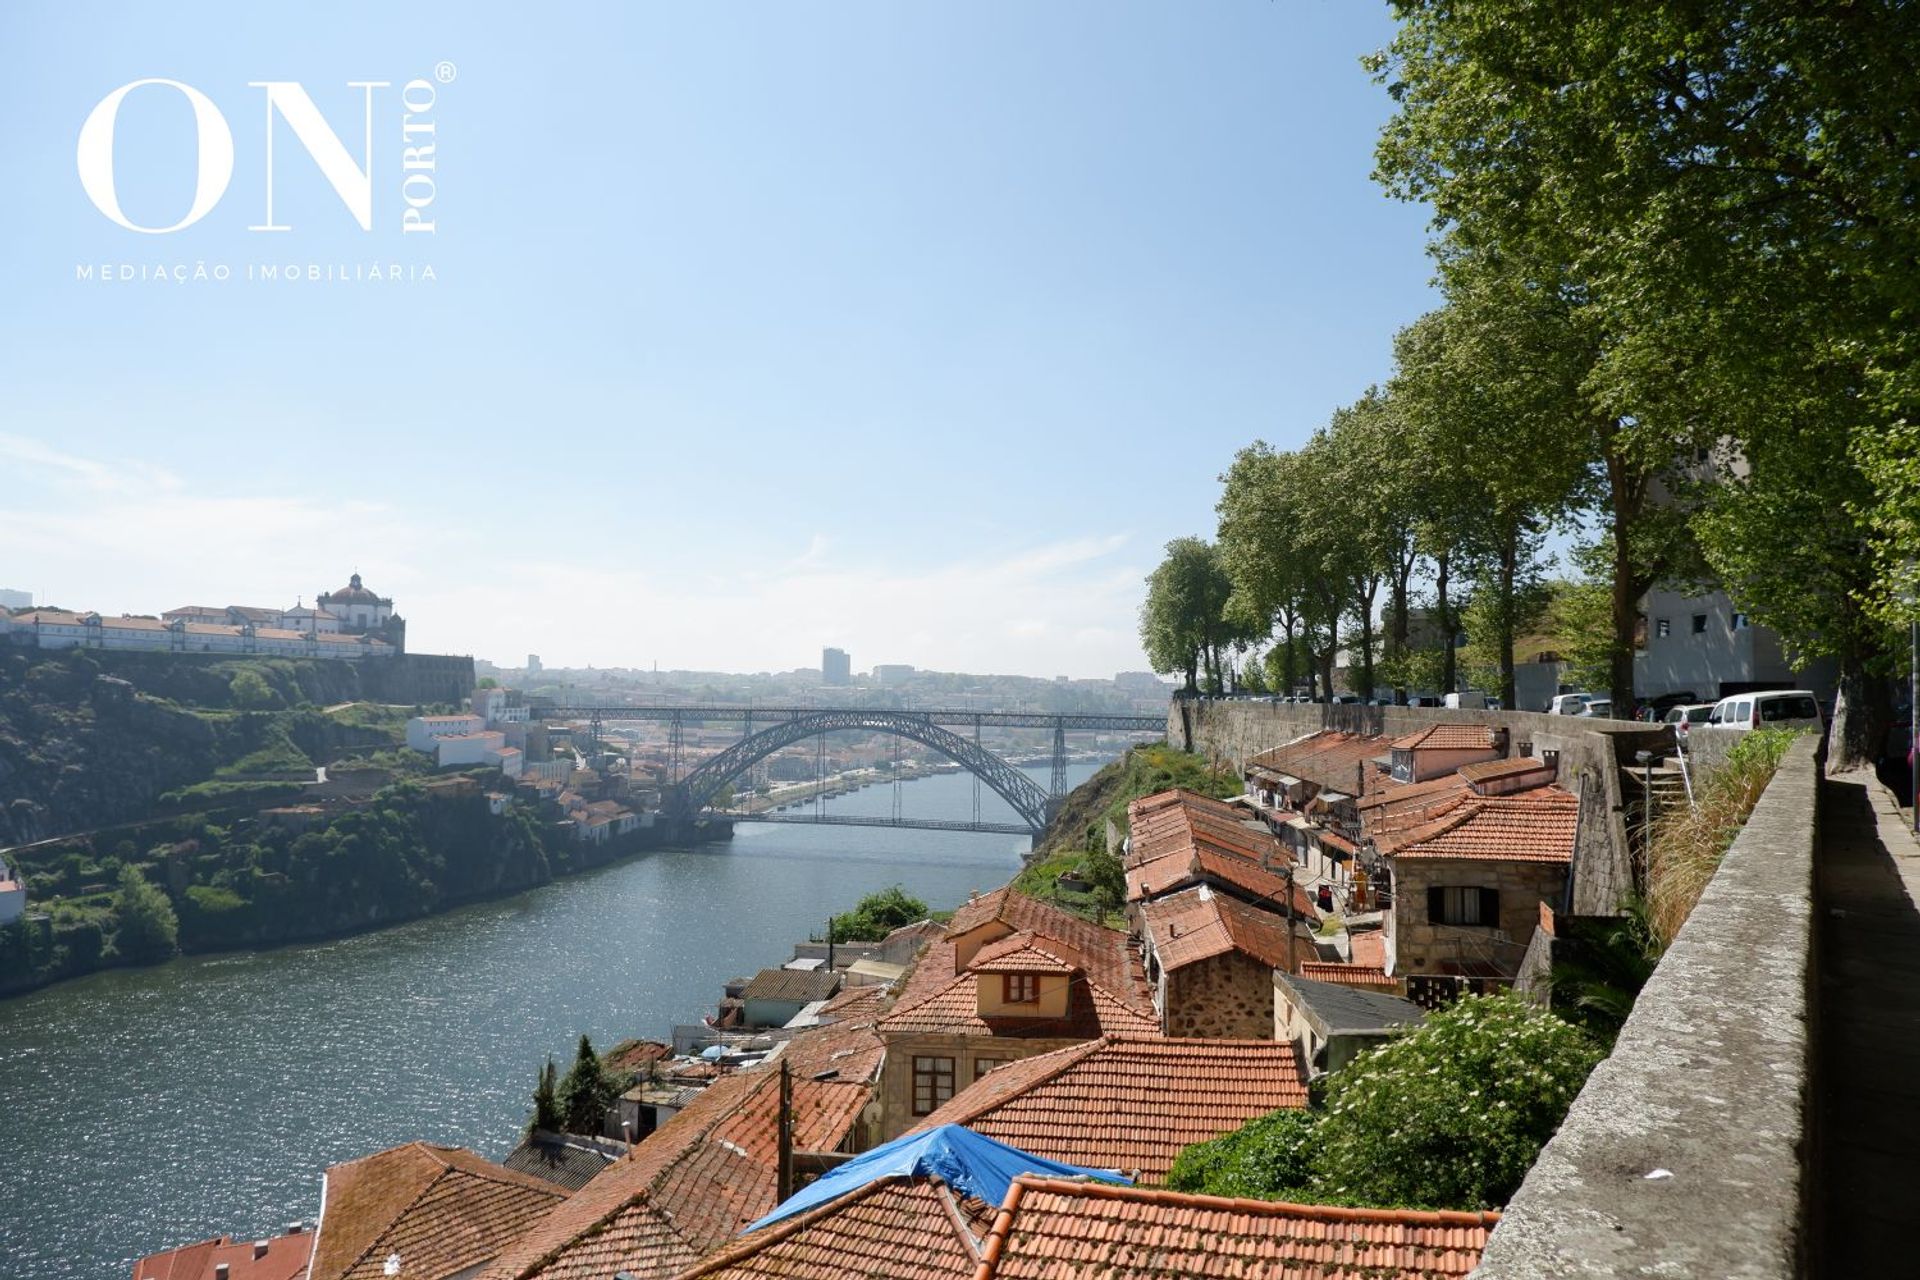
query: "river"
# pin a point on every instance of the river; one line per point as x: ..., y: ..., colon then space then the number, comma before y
x: 149, y: 1108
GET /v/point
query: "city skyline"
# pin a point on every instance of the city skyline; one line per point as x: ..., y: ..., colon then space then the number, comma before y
x: 866, y: 327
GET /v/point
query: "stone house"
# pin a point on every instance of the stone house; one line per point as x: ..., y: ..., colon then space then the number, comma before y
x: 1469, y: 884
x: 1332, y: 1023
x: 1210, y: 959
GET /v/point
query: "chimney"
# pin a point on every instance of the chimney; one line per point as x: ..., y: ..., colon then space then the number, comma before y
x: 259, y: 1250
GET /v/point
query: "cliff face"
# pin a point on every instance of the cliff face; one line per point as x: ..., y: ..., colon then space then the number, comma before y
x: 90, y: 739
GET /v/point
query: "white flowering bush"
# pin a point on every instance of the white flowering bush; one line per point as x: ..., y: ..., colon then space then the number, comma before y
x: 1447, y: 1116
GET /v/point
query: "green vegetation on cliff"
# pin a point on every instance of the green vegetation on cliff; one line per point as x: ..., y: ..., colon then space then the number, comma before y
x: 1075, y: 842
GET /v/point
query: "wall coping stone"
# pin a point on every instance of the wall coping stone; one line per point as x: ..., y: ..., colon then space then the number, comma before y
x: 1709, y: 1081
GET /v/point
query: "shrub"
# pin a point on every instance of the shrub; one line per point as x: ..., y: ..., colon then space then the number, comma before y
x: 1266, y: 1159
x: 148, y: 929
x: 1686, y: 845
x: 878, y: 914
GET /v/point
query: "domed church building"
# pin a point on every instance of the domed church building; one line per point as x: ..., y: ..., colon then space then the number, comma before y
x: 361, y: 612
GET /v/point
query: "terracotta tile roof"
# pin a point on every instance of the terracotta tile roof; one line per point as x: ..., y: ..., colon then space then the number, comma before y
x: 567, y: 1161
x: 897, y: 1228
x: 635, y: 1055
x: 1168, y: 821
x: 1531, y: 826
x: 849, y: 1047
x: 1173, y: 872
x: 1487, y: 770
x: 955, y: 1010
x: 1103, y: 953
x: 1447, y: 737
x: 1328, y: 759
x: 1026, y: 952
x: 1199, y: 924
x: 285, y: 1258
x: 804, y: 985
x: 442, y: 1209
x: 1393, y: 794
x: 687, y: 1188
x: 1052, y: 1229
x: 1131, y: 1103
x: 1371, y: 976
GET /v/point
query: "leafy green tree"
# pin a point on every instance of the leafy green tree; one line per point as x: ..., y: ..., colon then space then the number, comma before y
x: 1452, y: 1115
x: 587, y: 1093
x: 251, y: 692
x: 1183, y: 620
x: 1270, y: 1158
x: 878, y: 914
x: 1107, y: 875
x: 546, y: 1100
x: 1728, y: 187
x: 146, y: 927
x: 1447, y: 1116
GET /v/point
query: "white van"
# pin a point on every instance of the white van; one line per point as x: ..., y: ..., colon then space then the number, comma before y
x: 1570, y: 704
x: 1787, y: 707
x: 1471, y: 700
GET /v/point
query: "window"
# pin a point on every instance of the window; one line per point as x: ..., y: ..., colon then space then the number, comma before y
x: 1740, y: 622
x: 1463, y: 904
x: 932, y: 1084
x: 1663, y: 628
x: 1020, y: 988
x: 983, y: 1065
x: 1699, y: 624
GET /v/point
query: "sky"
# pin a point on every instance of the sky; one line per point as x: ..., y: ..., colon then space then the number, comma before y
x: 917, y: 329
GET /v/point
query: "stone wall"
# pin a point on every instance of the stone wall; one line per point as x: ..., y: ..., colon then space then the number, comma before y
x: 1229, y: 732
x: 1685, y: 1154
x: 1420, y: 946
x: 967, y: 1052
x: 1225, y: 997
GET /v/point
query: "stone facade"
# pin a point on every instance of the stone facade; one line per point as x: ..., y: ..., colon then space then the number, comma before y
x: 1226, y: 997
x: 1417, y: 944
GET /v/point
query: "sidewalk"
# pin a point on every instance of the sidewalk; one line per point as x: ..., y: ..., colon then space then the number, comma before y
x: 1867, y: 1170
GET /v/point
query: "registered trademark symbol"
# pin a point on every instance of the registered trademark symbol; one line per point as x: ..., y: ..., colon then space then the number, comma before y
x: 444, y: 72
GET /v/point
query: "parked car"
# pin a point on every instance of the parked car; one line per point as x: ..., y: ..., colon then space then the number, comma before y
x: 1570, y: 704
x: 1423, y: 700
x: 1775, y: 706
x: 1600, y: 708
x: 1683, y: 718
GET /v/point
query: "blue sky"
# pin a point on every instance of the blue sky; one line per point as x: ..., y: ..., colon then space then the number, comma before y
x: 915, y: 328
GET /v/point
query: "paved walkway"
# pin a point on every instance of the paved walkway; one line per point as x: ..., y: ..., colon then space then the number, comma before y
x: 1868, y: 1167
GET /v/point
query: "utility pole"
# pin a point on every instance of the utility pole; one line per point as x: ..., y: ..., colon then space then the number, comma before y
x: 785, y: 1175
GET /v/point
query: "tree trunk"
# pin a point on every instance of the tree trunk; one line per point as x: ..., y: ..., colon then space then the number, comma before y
x: 1627, y: 492
x: 1397, y: 628
x: 1509, y: 560
x: 1860, y: 720
x: 1443, y: 615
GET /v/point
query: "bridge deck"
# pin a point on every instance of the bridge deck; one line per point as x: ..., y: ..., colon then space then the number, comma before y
x: 865, y: 820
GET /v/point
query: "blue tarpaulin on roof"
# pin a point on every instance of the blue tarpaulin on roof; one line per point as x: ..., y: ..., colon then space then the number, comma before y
x: 969, y: 1163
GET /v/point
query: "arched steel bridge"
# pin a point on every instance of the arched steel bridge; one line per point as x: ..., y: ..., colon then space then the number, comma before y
x: 933, y: 729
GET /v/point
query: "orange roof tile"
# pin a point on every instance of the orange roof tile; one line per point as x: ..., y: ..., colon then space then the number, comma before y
x: 897, y: 1228
x: 1050, y: 1228
x: 285, y: 1258
x: 1447, y: 737
x: 1092, y: 1011
x: 442, y: 1209
x: 1199, y: 924
x: 1025, y: 952
x: 1086, y: 1104
x: 1515, y: 766
x: 849, y: 1047
x: 1530, y: 826
x: 687, y: 1188
x: 1372, y: 976
x: 1104, y: 954
x: 1328, y: 759
x: 1368, y: 948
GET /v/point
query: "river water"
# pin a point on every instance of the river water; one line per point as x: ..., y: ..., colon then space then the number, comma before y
x: 149, y: 1108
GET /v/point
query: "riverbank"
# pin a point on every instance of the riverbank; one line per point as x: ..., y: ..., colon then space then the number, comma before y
x: 251, y: 1071
x: 417, y: 850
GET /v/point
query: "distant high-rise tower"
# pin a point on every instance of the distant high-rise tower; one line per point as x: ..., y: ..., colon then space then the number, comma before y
x: 835, y: 666
x: 533, y: 664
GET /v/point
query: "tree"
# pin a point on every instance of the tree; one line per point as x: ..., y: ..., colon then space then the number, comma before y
x: 1729, y: 188
x: 1447, y: 1116
x: 587, y: 1093
x: 146, y: 927
x: 546, y: 1100
x: 250, y: 691
x: 878, y: 914
x: 1183, y: 620
x: 1107, y: 875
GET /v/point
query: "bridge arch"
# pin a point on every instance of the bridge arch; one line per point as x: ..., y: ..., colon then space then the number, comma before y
x: 1032, y: 803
